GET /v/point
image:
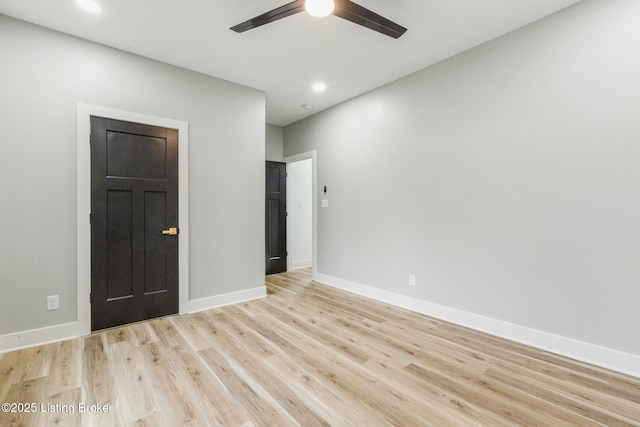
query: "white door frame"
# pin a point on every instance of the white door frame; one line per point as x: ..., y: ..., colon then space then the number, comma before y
x: 314, y: 245
x: 83, y: 239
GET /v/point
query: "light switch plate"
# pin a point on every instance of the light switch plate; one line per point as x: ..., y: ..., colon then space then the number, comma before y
x: 53, y: 302
x: 325, y: 203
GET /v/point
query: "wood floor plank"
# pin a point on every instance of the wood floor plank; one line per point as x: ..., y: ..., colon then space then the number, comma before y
x: 120, y: 334
x: 98, y: 381
x: 220, y: 407
x: 309, y: 328
x: 192, y: 334
x: 31, y: 392
x: 445, y: 407
x: 167, y: 335
x: 272, y: 332
x: 306, y: 355
x: 153, y: 420
x: 171, y: 395
x: 491, y: 396
x: 327, y: 400
x: 541, y: 385
x: 572, y: 406
x: 130, y: 373
x: 237, y: 328
x: 10, y: 368
x: 259, y: 406
x: 243, y: 352
x: 142, y: 333
x: 395, y: 407
x: 61, y: 411
x: 31, y: 358
x: 66, y: 366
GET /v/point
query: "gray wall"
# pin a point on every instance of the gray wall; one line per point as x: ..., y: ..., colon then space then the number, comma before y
x: 43, y: 76
x: 274, y: 143
x: 507, y: 179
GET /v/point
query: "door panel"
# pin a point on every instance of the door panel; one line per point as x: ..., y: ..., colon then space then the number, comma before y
x: 276, y: 217
x: 155, y: 279
x: 134, y: 196
x: 119, y: 245
x: 144, y: 159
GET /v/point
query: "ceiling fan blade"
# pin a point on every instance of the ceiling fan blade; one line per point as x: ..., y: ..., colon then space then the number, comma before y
x: 357, y: 14
x: 273, y: 15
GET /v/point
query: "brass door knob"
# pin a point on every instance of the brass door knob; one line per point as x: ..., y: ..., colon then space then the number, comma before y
x: 171, y: 231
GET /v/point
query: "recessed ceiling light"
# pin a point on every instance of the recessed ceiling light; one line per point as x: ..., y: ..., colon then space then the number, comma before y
x: 89, y: 5
x: 319, y: 87
x: 319, y: 8
x: 307, y: 107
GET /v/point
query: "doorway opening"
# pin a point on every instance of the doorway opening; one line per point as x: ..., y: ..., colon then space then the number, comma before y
x: 301, y: 209
x: 299, y: 214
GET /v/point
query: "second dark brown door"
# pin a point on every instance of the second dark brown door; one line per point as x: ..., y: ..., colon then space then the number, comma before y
x: 134, y: 206
x: 276, y: 218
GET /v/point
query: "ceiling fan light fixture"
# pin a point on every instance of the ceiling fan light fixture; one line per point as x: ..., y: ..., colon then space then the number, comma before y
x: 90, y: 6
x: 319, y: 8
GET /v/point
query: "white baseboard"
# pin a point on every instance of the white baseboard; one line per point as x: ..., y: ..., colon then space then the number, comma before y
x: 615, y: 360
x: 202, y: 304
x: 34, y: 337
x: 300, y: 264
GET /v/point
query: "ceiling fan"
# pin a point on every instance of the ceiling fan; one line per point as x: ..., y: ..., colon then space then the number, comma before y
x: 345, y: 9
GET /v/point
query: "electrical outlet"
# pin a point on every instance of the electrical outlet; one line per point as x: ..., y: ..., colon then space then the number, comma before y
x: 53, y: 302
x: 412, y: 280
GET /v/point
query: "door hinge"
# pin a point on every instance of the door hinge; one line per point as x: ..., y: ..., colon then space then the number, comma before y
x: 91, y: 218
x: 90, y: 298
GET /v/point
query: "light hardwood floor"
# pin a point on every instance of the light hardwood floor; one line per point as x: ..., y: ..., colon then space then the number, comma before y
x: 308, y: 355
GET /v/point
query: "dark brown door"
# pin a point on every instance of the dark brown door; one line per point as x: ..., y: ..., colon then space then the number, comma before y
x: 134, y: 200
x: 276, y: 217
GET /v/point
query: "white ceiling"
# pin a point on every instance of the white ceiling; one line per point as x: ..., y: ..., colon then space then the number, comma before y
x: 285, y: 57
